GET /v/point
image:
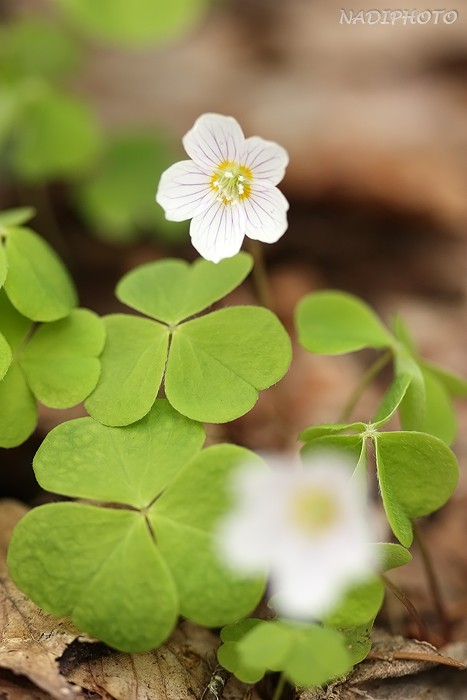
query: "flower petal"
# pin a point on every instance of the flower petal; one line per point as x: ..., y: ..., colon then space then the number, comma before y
x: 266, y: 160
x: 266, y: 214
x: 213, y: 140
x: 184, y: 191
x: 218, y: 232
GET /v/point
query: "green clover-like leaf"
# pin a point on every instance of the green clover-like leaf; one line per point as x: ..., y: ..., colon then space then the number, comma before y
x: 440, y: 418
x: 453, y: 383
x: 219, y: 362
x: 359, y: 604
x: 133, y: 364
x: 333, y: 323
x: 3, y: 264
x: 318, y: 431
x: 56, y: 364
x: 214, y: 365
x: 60, y: 361
x: 391, y: 555
x: 172, y: 290
x: 5, y: 356
x: 358, y: 642
x: 124, y: 574
x: 228, y: 656
x: 37, y: 283
x: 417, y: 473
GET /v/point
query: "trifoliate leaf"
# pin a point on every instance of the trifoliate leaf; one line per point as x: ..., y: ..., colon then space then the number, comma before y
x: 86, y: 459
x: 184, y: 519
x: 141, y: 22
x: 59, y: 137
x: 119, y: 207
x: 218, y: 363
x: 267, y: 645
x: 317, y: 431
x: 319, y: 655
x: 37, y: 284
x: 417, y: 473
x: 440, y: 418
x: 333, y: 323
x: 15, y: 217
x: 359, y: 604
x: 5, y: 356
x: 391, y: 555
x: 133, y: 363
x: 18, y: 408
x: 172, y: 290
x: 124, y: 574
x: 61, y: 359
x: 101, y: 567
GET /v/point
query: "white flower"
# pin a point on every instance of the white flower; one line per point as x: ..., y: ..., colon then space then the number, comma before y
x: 307, y: 525
x: 228, y: 189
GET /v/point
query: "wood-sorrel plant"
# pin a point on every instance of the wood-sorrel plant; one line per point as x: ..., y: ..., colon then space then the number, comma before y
x: 137, y: 548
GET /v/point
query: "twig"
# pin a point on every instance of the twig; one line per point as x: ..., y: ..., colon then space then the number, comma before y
x: 416, y: 656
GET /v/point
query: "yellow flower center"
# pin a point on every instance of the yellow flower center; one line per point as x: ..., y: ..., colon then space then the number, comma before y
x: 314, y: 510
x: 232, y: 182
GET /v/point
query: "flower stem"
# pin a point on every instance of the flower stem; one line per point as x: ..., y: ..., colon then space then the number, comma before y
x: 367, y: 378
x: 279, y: 688
x: 433, y: 582
x: 423, y: 632
x: 260, y: 275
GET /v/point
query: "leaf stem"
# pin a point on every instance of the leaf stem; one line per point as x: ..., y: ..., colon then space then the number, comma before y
x: 367, y: 378
x: 409, y: 606
x: 263, y: 289
x: 279, y: 688
x: 433, y: 582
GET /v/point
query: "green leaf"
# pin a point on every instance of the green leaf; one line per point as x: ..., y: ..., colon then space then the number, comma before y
x: 37, y: 284
x: 18, y: 408
x: 318, y: 431
x: 345, y: 445
x: 412, y: 408
x: 184, y: 518
x: 267, y: 645
x: 228, y: 657
x: 101, y: 568
x: 319, y: 655
x: 35, y: 47
x: 59, y: 137
x: 440, y: 418
x: 60, y: 361
x: 141, y: 22
x: 391, y: 555
x: 333, y: 323
x: 85, y: 459
x: 13, y: 325
x: 403, y: 335
x: 219, y: 362
x: 132, y: 364
x: 171, y: 290
x: 15, y: 217
x: 392, y: 398
x: 3, y: 263
x: 119, y: 207
x: 453, y: 383
x: 5, y: 356
x: 237, y: 630
x: 417, y: 474
x: 358, y: 642
x: 359, y: 604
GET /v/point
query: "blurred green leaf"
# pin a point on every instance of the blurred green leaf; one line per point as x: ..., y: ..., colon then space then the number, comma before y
x: 36, y: 47
x: 5, y: 356
x: 117, y: 200
x: 58, y: 136
x: 440, y: 417
x: 454, y: 384
x: 13, y: 325
x: 3, y: 264
x: 359, y: 604
x: 37, y: 284
x: 391, y: 555
x: 318, y: 431
x: 15, y: 217
x: 333, y: 323
x: 18, y: 408
x: 135, y: 23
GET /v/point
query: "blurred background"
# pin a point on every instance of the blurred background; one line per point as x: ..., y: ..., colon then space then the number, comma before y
x: 95, y: 96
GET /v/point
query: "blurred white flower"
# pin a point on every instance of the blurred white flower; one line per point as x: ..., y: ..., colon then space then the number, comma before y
x: 228, y: 189
x: 308, y: 525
